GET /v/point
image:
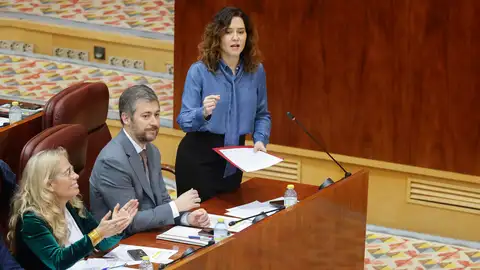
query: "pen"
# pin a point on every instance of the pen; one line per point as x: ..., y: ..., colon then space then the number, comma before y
x: 118, y: 266
x: 203, y: 238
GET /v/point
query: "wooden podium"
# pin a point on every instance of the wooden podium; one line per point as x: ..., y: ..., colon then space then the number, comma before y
x: 325, y: 230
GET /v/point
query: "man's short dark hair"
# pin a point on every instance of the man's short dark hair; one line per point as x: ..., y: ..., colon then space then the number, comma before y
x: 128, y: 100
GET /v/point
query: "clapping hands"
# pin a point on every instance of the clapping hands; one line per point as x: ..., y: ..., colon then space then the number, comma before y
x: 120, y: 220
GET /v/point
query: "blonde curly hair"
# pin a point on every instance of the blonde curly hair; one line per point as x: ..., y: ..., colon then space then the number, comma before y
x: 34, y: 195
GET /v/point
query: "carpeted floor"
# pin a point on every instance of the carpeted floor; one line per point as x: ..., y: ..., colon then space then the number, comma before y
x: 38, y: 78
x: 385, y: 251
x: 142, y: 15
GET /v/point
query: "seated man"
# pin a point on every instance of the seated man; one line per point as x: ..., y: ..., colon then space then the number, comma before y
x: 129, y: 167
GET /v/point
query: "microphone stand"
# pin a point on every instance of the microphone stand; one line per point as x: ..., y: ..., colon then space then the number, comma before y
x: 293, y: 118
x: 257, y: 217
x: 187, y: 253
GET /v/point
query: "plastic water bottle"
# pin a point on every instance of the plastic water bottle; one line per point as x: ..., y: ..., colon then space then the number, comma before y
x: 146, y: 264
x: 220, y: 231
x: 290, y: 197
x: 15, y: 113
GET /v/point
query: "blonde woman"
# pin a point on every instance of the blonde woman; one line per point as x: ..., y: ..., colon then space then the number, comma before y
x: 50, y: 228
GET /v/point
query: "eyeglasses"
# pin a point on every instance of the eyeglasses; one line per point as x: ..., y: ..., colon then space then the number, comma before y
x: 68, y: 172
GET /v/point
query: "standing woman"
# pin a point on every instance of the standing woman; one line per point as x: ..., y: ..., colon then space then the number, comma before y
x: 224, y: 98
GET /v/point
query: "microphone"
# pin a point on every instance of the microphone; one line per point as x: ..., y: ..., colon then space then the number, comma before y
x: 257, y: 217
x: 186, y: 253
x: 322, y: 146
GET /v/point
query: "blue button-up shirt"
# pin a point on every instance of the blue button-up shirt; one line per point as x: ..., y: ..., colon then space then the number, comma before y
x: 245, y: 91
x: 242, y: 108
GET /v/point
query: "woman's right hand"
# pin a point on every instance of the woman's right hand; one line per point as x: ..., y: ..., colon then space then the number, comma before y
x: 209, y: 104
x: 114, y: 226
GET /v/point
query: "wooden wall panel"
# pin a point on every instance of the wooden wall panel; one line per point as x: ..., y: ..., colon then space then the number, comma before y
x: 388, y: 80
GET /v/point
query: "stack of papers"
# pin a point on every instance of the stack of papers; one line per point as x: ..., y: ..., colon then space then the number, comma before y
x: 246, y: 160
x: 181, y: 234
x: 250, y: 209
x: 4, y: 120
x: 157, y: 255
x: 235, y: 228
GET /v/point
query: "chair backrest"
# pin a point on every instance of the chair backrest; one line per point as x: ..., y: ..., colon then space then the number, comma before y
x: 71, y: 137
x: 85, y: 104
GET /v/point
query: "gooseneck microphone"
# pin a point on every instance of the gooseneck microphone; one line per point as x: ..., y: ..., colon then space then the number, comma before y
x: 257, y: 217
x: 186, y: 253
x: 322, y: 146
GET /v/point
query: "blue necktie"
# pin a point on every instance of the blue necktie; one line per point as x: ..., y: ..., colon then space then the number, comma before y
x: 231, y: 132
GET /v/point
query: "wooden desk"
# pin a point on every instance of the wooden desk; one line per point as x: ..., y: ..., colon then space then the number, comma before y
x: 13, y: 137
x: 254, y: 189
x: 326, y: 229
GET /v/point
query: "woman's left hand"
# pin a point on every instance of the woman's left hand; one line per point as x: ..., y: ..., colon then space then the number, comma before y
x: 131, y: 207
x: 259, y: 146
x: 129, y: 210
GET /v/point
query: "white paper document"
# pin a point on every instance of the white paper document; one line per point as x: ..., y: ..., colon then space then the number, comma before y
x: 157, y: 255
x: 235, y: 228
x: 4, y: 120
x: 246, y: 160
x: 99, y: 263
x: 252, y: 205
x: 250, y: 209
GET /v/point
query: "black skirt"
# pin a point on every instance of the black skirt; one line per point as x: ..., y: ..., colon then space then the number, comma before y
x: 199, y: 167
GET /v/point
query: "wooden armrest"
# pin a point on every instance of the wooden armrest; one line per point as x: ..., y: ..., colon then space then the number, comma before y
x: 168, y: 168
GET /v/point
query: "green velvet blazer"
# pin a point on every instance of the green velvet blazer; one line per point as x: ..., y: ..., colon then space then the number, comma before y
x: 36, y: 247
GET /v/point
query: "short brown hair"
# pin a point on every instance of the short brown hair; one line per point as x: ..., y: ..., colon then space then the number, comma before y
x: 127, y: 103
x: 209, y: 48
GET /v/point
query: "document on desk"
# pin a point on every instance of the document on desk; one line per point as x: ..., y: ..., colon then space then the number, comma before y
x: 248, y: 206
x: 183, y: 234
x: 4, y: 120
x: 245, y: 159
x: 157, y: 255
x: 250, y: 209
x: 99, y: 263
